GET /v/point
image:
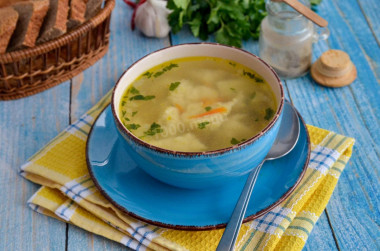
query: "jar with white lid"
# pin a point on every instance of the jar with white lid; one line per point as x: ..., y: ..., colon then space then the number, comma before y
x: 286, y: 39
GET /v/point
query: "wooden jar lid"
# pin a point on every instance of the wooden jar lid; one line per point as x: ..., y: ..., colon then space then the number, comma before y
x: 334, y: 69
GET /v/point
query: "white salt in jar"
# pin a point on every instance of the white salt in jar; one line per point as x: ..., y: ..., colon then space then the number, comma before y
x: 286, y: 39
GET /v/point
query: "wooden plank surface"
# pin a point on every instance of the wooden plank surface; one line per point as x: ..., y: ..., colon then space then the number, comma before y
x: 351, y: 220
x: 371, y: 9
x: 356, y: 21
x: 26, y: 125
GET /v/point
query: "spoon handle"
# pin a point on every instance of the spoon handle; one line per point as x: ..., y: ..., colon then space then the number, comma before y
x: 231, y: 232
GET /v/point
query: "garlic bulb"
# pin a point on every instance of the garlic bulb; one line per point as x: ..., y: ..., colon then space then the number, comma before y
x: 151, y: 18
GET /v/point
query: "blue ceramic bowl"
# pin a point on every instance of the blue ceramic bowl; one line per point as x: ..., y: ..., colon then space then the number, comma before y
x: 197, y: 170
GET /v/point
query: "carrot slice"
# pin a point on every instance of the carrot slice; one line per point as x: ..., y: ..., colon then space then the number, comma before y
x: 213, y: 111
x: 179, y: 107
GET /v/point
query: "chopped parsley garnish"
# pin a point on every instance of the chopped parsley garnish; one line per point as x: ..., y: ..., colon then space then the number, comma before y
x: 134, y: 113
x: 165, y: 69
x: 259, y: 80
x: 127, y: 119
x: 268, y: 113
x: 154, y: 128
x: 123, y: 112
x: 208, y: 108
x: 203, y: 125
x: 249, y: 74
x: 122, y: 103
x: 132, y: 126
x: 133, y: 90
x: 174, y: 86
x: 141, y: 97
x: 157, y: 74
x: 232, y: 89
x: 234, y: 141
x: 253, y: 95
x: 148, y: 74
x: 233, y: 64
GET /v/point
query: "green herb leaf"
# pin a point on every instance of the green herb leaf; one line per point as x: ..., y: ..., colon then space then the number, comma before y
x: 315, y: 2
x: 132, y: 126
x: 157, y: 74
x: 154, y: 128
x: 127, y: 119
x: 259, y: 80
x: 230, y: 21
x: 141, y: 97
x: 165, y: 69
x: 134, y: 113
x: 133, y: 90
x: 253, y: 95
x: 123, y: 112
x: 269, y: 112
x: 174, y: 86
x: 148, y: 74
x: 208, y: 108
x: 181, y: 3
x: 122, y: 103
x: 203, y: 125
x: 234, y: 141
x: 233, y: 89
x: 249, y: 74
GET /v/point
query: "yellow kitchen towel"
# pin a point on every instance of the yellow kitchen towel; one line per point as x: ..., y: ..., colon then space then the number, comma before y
x: 68, y: 194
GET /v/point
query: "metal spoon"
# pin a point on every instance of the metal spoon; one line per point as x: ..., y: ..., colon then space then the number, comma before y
x: 286, y: 139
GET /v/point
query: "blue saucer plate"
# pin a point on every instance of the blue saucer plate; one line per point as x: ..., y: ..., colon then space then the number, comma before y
x: 137, y: 194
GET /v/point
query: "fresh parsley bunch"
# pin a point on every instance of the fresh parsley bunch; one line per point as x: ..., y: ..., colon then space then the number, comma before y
x: 231, y: 21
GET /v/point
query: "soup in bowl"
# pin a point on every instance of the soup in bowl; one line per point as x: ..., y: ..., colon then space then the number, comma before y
x: 198, y: 115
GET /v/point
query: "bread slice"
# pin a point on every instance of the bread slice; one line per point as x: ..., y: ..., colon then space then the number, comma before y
x: 31, y: 16
x: 6, y: 3
x: 40, y: 9
x: 82, y: 10
x: 8, y: 21
x: 55, y: 22
x: 77, y: 13
x: 93, y: 7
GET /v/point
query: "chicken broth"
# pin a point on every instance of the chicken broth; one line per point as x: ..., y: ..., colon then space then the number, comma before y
x: 197, y: 104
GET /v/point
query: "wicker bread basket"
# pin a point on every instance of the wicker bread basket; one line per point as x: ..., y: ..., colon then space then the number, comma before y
x: 29, y: 71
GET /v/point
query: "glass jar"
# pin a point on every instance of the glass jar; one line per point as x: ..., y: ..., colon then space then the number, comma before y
x: 286, y: 39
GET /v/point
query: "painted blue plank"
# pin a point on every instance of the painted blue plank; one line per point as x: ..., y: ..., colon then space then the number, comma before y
x: 371, y: 9
x: 365, y: 90
x: 351, y: 12
x: 80, y: 239
x: 26, y: 125
x: 319, y: 238
x: 185, y: 36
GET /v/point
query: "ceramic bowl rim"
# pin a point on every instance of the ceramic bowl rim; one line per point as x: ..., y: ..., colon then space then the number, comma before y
x: 221, y: 151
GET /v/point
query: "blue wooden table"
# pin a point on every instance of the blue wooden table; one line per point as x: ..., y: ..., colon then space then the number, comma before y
x: 352, y: 218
